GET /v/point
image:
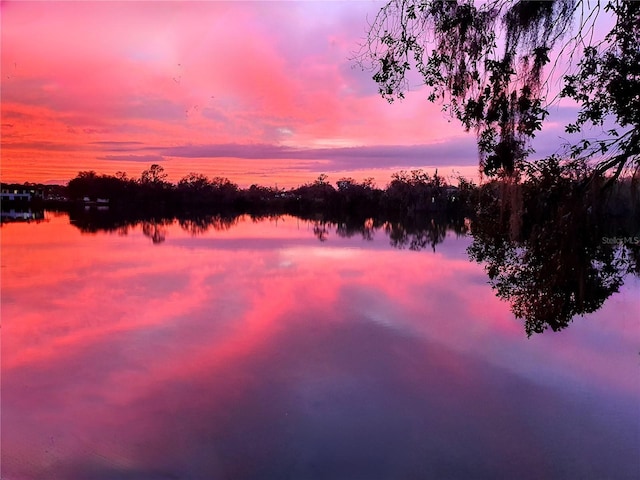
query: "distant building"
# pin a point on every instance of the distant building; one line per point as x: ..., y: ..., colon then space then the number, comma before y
x: 19, y: 193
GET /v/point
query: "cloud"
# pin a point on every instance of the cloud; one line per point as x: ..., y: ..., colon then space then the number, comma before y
x: 43, y: 146
x: 117, y: 146
x: 221, y: 80
x: 450, y: 152
x: 132, y: 158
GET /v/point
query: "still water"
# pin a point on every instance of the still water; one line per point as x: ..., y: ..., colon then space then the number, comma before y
x: 256, y: 351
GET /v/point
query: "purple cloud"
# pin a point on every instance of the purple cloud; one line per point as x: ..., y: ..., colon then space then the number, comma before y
x: 132, y: 158
x: 451, y: 152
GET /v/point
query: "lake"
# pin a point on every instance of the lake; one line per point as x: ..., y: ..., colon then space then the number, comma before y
x: 284, y: 349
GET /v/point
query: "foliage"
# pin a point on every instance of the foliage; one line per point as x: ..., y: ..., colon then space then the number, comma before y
x: 416, y: 191
x: 408, y: 193
x: 607, y: 84
x: 486, y: 61
x: 155, y: 174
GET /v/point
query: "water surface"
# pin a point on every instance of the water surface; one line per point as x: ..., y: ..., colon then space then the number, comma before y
x: 256, y: 351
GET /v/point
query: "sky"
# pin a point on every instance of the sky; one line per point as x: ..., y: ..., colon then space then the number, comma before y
x: 258, y: 92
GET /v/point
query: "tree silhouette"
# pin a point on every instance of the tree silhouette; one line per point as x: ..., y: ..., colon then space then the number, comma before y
x: 155, y: 174
x: 488, y: 63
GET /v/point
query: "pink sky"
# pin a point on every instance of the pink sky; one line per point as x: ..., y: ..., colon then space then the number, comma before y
x: 260, y: 92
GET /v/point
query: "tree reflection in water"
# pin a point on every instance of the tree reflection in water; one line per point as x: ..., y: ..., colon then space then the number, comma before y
x: 156, y: 230
x: 552, y: 247
x: 554, y: 250
x: 412, y: 232
x: 199, y: 225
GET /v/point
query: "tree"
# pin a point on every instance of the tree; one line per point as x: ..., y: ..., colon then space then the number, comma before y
x: 322, y: 179
x: 83, y: 185
x: 489, y: 64
x: 194, y: 183
x: 155, y: 174
x: 415, y: 191
x: 345, y: 184
x: 88, y: 184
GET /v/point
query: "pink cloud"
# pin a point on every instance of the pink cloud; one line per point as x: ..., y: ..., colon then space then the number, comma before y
x: 201, y: 73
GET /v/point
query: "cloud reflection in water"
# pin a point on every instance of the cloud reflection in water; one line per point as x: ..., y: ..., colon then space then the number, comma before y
x: 345, y: 359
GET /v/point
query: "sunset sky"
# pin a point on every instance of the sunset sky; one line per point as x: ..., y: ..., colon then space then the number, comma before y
x: 259, y: 92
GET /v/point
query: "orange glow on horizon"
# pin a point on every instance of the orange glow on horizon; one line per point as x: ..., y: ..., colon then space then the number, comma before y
x: 115, y: 87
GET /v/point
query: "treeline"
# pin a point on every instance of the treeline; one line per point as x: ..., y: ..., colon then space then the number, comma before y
x: 408, y: 193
